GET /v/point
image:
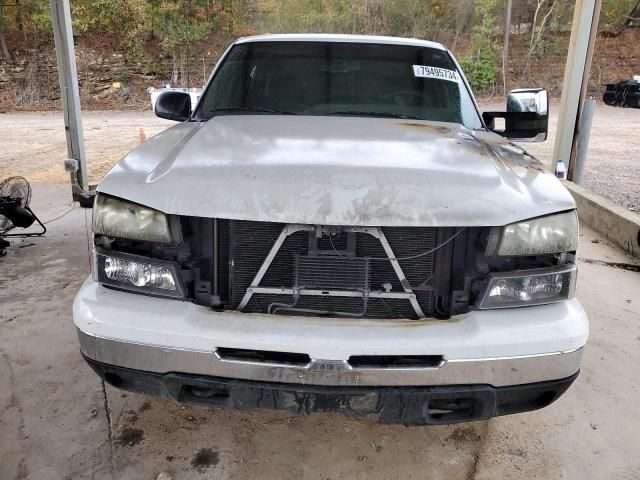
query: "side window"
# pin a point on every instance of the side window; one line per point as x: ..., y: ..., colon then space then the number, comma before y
x: 225, y: 90
x: 469, y: 114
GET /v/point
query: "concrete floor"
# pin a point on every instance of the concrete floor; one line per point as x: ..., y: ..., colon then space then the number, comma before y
x: 57, y: 420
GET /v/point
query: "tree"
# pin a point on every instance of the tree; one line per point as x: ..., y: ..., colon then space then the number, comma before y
x: 536, y: 35
x: 505, y: 48
x: 3, y: 40
x: 463, y: 14
x: 480, y: 63
x: 179, y: 24
x: 634, y: 14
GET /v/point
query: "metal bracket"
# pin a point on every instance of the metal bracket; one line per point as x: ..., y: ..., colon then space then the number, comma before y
x: 293, y: 228
x: 401, y: 276
x: 286, y: 231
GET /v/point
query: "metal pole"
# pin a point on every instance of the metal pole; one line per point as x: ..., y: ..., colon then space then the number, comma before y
x: 584, y: 133
x: 70, y: 95
x: 585, y: 86
x: 505, y: 48
x: 583, y: 33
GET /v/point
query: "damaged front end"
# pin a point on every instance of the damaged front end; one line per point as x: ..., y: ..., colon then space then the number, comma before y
x: 333, y: 271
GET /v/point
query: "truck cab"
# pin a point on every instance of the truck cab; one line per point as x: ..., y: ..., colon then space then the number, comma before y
x: 335, y: 226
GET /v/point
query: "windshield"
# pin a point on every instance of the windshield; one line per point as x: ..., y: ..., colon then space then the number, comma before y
x: 331, y: 78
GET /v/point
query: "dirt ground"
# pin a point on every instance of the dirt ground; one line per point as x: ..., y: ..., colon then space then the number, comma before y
x: 58, y: 421
x: 33, y: 146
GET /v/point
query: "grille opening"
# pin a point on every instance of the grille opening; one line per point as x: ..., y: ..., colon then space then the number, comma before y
x: 227, y: 255
x: 206, y: 392
x: 264, y: 356
x: 454, y: 410
x: 396, y: 361
x: 333, y: 242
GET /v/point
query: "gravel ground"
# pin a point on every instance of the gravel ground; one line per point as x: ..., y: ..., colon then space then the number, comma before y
x: 35, y: 147
x: 613, y: 161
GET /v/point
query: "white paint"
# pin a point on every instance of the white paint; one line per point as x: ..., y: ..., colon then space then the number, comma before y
x: 337, y: 171
x: 323, y: 37
x: 194, y: 94
x: 102, y: 312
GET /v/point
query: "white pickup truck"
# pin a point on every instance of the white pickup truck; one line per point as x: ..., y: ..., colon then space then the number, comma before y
x: 335, y: 227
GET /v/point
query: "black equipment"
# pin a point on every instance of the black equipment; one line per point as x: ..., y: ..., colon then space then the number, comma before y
x: 623, y: 94
x: 15, y: 195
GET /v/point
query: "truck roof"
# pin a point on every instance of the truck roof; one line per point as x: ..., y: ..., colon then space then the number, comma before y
x: 322, y: 37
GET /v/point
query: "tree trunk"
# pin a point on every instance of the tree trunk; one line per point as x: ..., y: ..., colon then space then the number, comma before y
x: 505, y: 48
x: 174, y: 71
x: 635, y: 10
x: 535, y: 36
x: 464, y: 12
x: 5, y: 47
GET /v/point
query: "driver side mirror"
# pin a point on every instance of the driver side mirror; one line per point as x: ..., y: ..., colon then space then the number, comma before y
x: 526, y: 118
x: 173, y: 106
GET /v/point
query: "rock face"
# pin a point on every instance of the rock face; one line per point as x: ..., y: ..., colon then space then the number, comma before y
x: 106, y: 81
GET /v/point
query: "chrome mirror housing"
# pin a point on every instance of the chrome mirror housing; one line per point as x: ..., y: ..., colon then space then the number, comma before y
x: 528, y: 100
x: 526, y: 118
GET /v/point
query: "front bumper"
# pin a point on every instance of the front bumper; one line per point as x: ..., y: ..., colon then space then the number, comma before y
x: 493, y: 362
x: 426, y: 405
x: 497, y: 347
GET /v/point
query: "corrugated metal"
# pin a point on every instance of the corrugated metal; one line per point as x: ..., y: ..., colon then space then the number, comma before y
x: 295, y: 267
x: 376, y: 307
x: 250, y: 243
x: 332, y: 272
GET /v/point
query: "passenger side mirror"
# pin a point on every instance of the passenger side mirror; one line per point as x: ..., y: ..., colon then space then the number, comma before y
x: 173, y: 106
x: 526, y: 118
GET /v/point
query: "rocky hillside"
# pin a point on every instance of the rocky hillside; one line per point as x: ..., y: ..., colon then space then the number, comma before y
x: 108, y: 81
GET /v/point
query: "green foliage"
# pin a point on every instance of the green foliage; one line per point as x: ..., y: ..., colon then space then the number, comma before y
x: 613, y: 12
x: 479, y: 64
x: 178, y: 23
x: 480, y: 71
x: 124, y: 20
x: 414, y: 18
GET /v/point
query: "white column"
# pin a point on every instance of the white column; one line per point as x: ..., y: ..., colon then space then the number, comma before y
x: 69, y: 92
x: 583, y: 30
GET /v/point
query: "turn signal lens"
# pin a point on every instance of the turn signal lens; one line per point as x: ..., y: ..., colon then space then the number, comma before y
x: 528, y: 287
x: 136, y: 273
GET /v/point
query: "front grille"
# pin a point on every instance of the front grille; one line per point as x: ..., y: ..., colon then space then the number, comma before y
x: 332, y: 273
x: 343, y: 307
x: 347, y: 273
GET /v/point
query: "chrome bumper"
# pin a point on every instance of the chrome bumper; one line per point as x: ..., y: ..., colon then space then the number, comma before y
x: 498, y: 372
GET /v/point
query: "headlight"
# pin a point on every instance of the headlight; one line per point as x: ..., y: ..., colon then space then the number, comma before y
x: 528, y: 287
x: 118, y: 218
x: 551, y: 234
x: 140, y: 274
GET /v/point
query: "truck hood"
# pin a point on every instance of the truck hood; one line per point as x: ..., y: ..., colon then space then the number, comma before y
x: 337, y: 171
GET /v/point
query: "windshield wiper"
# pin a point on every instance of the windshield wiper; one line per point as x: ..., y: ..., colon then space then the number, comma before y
x: 251, y: 110
x: 375, y: 114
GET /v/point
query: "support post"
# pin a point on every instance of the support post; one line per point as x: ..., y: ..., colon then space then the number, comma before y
x: 70, y: 95
x: 583, y: 35
x: 584, y: 134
